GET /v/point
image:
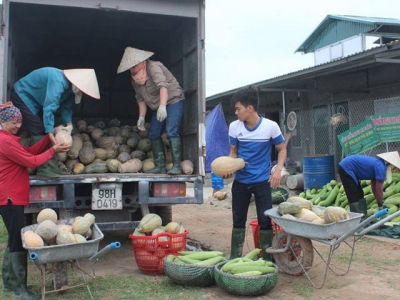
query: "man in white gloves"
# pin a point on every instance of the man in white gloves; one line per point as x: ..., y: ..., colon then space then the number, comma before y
x: 43, y: 92
x: 157, y: 88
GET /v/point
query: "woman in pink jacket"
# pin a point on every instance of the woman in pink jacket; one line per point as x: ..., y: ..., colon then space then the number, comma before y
x: 15, y: 160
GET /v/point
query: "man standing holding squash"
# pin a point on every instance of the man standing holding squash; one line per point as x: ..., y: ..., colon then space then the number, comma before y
x: 252, y: 138
x: 157, y: 88
x: 44, y: 91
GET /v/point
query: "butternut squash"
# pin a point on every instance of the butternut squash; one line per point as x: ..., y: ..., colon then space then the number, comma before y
x: 131, y: 166
x: 149, y: 222
x: 64, y: 138
x: 226, y: 165
x: 187, y: 167
x: 87, y: 154
x: 32, y: 239
x: 76, y: 146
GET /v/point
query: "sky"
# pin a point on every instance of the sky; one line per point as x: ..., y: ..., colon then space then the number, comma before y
x: 248, y: 41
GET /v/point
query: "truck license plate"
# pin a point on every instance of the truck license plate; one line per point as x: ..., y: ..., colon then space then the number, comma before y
x: 107, y: 196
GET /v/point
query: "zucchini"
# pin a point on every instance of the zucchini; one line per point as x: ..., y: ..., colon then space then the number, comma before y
x: 211, y: 261
x: 249, y: 273
x: 329, y: 200
x: 187, y: 260
x: 202, y: 255
x: 253, y: 253
x: 244, y: 268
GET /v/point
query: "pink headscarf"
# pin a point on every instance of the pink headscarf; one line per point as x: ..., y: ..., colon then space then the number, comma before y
x: 141, y: 76
x: 9, y: 112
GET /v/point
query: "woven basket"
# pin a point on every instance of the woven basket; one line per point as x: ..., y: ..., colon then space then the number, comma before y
x: 189, y: 275
x: 245, y: 285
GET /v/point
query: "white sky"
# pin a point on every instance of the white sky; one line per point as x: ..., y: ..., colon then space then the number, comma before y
x: 248, y: 41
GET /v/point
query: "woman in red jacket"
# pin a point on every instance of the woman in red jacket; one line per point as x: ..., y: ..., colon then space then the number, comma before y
x: 15, y: 160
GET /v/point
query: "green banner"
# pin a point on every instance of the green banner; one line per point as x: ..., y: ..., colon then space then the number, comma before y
x: 386, y: 126
x: 359, y: 139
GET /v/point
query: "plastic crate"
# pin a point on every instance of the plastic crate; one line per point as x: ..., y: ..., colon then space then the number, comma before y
x: 256, y: 234
x: 150, y: 251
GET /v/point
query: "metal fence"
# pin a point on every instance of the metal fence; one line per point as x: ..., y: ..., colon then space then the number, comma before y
x: 317, y: 128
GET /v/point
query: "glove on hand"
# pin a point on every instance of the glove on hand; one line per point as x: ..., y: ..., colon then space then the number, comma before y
x: 161, y: 113
x: 140, y: 124
x: 68, y: 128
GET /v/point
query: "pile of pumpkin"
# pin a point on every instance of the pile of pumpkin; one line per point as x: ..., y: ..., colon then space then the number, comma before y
x: 114, y: 148
x: 51, y: 231
x: 297, y: 208
x: 151, y: 225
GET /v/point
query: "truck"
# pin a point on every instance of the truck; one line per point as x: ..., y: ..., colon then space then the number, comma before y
x: 93, y: 34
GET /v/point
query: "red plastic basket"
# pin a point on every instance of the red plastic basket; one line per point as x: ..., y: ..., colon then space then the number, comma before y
x: 150, y: 251
x: 256, y: 234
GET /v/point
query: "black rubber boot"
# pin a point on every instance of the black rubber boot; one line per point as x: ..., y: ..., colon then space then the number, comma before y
x: 159, y: 158
x: 175, y: 144
x: 266, y: 242
x: 237, y: 241
x: 6, y: 271
x: 359, y: 207
x: 18, y: 276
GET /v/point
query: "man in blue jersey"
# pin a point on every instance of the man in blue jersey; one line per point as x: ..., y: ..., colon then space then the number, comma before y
x: 252, y: 138
x: 357, y: 167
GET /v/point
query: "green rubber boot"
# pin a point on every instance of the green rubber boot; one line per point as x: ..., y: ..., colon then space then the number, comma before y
x: 18, y: 276
x: 6, y: 271
x: 159, y: 158
x: 359, y: 207
x: 176, y: 152
x: 266, y: 242
x: 237, y: 241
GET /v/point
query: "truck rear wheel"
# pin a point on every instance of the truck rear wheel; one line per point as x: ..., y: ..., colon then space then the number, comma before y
x: 165, y: 212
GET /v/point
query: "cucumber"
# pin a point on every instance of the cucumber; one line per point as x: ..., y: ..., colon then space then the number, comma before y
x: 253, y: 253
x: 249, y: 273
x: 244, y: 268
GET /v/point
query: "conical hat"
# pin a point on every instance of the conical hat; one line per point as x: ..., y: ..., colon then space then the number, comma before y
x: 85, y: 80
x: 392, y: 158
x: 132, y: 57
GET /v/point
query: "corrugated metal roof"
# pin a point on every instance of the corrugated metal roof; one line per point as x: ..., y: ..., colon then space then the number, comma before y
x: 296, y: 80
x: 337, y: 27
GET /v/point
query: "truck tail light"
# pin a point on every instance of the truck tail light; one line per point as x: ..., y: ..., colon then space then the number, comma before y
x: 169, y: 189
x: 43, y: 193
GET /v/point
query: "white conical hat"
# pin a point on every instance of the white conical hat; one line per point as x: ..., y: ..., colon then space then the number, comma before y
x: 85, y: 80
x: 132, y: 57
x: 392, y: 158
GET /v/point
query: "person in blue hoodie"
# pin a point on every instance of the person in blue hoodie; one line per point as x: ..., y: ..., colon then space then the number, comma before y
x: 43, y: 92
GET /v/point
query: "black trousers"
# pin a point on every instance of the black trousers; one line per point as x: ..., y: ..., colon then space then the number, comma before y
x: 14, y: 220
x: 353, y: 189
x: 32, y: 122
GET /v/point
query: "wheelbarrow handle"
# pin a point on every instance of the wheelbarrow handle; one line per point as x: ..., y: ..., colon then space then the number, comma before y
x: 34, y: 257
x: 112, y: 246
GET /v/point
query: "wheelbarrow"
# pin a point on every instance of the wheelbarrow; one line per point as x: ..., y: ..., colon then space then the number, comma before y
x: 56, y: 259
x: 293, y: 250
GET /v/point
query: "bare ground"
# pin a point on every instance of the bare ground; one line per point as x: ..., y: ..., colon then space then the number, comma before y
x: 374, y: 270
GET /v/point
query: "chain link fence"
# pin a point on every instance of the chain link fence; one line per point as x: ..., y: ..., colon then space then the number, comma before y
x: 317, y: 129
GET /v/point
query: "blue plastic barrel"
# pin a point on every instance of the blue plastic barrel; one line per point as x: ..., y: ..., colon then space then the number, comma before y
x: 318, y: 170
x: 217, y: 182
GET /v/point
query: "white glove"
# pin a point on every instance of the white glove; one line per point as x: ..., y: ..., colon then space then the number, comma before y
x: 68, y: 128
x: 140, y: 124
x: 161, y: 113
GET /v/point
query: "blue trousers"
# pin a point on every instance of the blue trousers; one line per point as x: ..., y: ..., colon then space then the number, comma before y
x: 171, y: 124
x: 241, y: 195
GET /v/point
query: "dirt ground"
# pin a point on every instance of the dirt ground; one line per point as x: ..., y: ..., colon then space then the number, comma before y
x: 374, y: 271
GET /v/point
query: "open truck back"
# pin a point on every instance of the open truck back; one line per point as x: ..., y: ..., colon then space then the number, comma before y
x: 93, y: 34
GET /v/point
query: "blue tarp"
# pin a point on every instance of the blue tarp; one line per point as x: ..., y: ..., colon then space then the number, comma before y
x: 217, y: 138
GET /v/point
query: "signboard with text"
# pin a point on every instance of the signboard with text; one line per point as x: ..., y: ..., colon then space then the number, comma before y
x: 359, y: 138
x: 387, y: 127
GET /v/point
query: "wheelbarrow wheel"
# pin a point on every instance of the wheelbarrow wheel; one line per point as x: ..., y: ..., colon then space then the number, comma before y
x: 302, y: 249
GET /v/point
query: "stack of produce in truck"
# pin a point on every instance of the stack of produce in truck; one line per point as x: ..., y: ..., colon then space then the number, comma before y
x: 108, y: 155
